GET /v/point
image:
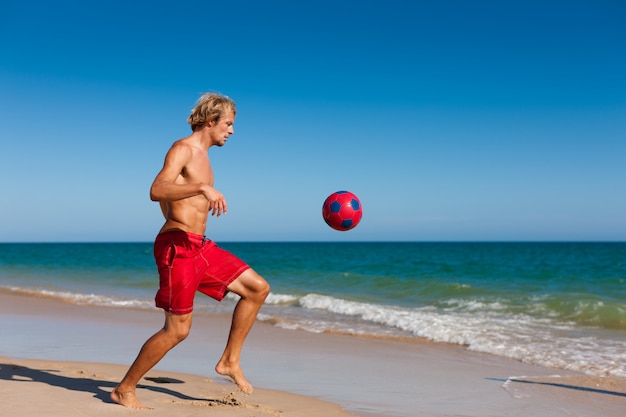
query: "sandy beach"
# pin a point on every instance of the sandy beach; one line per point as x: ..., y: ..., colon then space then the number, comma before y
x: 60, y: 359
x: 52, y: 388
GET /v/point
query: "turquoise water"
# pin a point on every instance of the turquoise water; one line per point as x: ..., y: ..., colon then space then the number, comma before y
x: 560, y: 305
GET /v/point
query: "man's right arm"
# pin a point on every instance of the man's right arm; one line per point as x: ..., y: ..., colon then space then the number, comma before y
x: 165, y: 189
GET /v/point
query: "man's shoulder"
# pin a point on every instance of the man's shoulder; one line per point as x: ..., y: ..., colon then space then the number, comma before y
x: 189, y: 142
x: 180, y: 151
x: 181, y: 145
x: 183, y: 142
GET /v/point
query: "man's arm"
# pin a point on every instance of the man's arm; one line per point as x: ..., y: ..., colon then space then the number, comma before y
x: 164, y: 187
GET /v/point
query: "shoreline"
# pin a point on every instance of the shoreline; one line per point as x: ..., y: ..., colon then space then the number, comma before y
x: 349, y: 374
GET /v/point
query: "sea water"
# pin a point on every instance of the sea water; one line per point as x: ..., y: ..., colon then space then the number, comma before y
x: 559, y: 305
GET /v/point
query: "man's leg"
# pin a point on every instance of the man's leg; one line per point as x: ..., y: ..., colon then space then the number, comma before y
x: 174, y: 331
x: 253, y: 290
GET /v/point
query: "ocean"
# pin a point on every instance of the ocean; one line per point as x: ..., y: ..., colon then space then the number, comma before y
x: 557, y: 305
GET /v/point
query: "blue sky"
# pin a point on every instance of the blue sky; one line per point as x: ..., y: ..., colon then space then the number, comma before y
x: 451, y: 120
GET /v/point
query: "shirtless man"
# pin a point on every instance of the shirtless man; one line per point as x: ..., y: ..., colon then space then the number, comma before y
x: 186, y: 260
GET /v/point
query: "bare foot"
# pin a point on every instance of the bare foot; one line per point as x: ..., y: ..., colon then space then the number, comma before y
x: 127, y: 399
x: 236, y: 374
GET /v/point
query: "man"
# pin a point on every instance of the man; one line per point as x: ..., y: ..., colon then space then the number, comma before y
x: 186, y: 260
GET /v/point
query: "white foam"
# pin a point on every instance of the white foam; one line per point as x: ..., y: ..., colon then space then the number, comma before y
x: 86, y: 299
x: 281, y: 299
x: 484, y: 327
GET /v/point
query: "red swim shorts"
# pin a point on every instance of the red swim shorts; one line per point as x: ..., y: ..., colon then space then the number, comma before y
x: 188, y: 263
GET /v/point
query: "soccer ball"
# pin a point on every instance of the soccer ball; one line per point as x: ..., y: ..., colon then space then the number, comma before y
x: 342, y: 210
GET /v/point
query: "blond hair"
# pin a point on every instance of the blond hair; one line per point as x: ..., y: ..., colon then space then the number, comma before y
x: 210, y: 107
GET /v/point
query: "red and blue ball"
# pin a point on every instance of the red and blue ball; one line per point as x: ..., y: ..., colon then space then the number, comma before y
x: 342, y: 210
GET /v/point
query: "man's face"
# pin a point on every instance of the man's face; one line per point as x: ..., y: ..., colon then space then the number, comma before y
x: 223, y: 128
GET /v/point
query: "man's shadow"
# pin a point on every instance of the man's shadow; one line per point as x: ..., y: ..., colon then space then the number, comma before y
x: 23, y: 374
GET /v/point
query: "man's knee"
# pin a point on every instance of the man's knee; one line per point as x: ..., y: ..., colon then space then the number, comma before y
x: 178, y: 326
x: 264, y: 290
x: 260, y: 287
x: 251, y: 285
x: 180, y: 334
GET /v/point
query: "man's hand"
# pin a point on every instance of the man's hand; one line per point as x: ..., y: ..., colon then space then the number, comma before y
x: 217, y: 202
